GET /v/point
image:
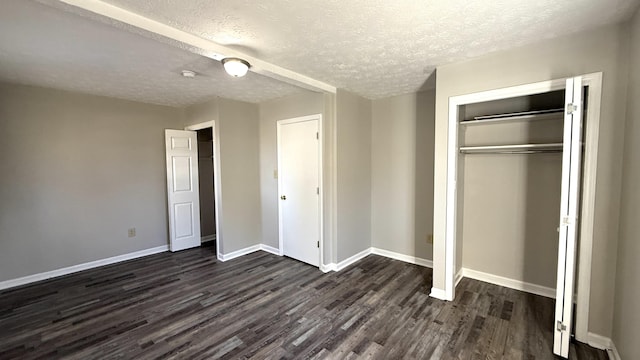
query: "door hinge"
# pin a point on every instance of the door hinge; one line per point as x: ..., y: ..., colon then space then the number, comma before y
x: 318, y: 190
x: 571, y: 107
x: 318, y: 244
x: 318, y: 136
x: 560, y: 326
x: 567, y: 220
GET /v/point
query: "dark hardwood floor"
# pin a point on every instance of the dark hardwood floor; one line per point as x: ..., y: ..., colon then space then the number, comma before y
x: 188, y: 305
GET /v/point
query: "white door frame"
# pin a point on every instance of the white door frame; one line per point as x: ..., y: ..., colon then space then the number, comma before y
x: 279, y: 123
x: 588, y: 200
x: 569, y: 207
x: 590, y: 165
x: 217, y: 184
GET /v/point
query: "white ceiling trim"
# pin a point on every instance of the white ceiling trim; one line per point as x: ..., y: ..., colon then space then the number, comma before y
x: 258, y: 66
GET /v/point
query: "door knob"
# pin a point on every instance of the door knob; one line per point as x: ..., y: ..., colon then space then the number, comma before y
x: 283, y: 197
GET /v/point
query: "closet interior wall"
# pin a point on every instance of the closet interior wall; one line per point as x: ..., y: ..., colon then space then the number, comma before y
x: 205, y: 174
x: 509, y: 203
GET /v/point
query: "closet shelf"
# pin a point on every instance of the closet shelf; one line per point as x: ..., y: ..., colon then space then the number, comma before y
x: 512, y: 149
x: 517, y: 116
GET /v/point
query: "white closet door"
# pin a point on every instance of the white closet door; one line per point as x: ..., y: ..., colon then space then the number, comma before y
x: 571, y: 171
x: 182, y: 189
x: 298, y: 185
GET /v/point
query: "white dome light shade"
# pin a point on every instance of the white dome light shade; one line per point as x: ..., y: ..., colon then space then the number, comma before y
x: 235, y: 67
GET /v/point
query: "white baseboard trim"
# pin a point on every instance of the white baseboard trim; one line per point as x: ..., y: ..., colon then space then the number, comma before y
x: 510, y: 283
x: 350, y: 260
x: 613, y: 352
x: 328, y: 267
x: 208, y: 238
x: 603, y: 343
x: 402, y: 257
x: 459, y: 277
x: 598, y: 341
x: 376, y: 251
x: 80, y: 267
x: 438, y: 294
x: 270, y: 249
x: 238, y: 253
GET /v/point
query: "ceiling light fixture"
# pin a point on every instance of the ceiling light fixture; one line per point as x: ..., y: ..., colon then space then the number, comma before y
x: 235, y: 67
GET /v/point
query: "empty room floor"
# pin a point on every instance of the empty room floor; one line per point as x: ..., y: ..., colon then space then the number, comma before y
x: 188, y: 305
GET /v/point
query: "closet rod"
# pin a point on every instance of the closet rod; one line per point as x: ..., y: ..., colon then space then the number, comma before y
x: 523, y: 116
x: 512, y: 149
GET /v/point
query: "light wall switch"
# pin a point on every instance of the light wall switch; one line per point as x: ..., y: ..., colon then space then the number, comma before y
x: 275, y: 174
x: 132, y: 232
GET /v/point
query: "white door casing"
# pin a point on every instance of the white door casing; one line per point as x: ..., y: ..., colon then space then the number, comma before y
x: 217, y: 184
x: 299, y: 204
x: 183, y: 198
x: 445, y: 247
x: 569, y: 208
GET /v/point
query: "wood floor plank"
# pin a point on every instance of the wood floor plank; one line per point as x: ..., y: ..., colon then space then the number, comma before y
x: 188, y: 305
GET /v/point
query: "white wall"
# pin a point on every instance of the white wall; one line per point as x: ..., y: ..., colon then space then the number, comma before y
x: 353, y: 122
x: 626, y: 322
x: 238, y: 135
x: 402, y: 174
x: 307, y: 103
x: 577, y: 54
x: 78, y: 171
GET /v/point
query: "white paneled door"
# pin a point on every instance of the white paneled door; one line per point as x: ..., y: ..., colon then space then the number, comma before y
x: 569, y: 210
x: 182, y: 189
x: 298, y: 188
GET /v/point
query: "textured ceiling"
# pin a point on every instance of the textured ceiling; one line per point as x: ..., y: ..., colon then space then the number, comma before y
x: 377, y: 48
x: 44, y: 46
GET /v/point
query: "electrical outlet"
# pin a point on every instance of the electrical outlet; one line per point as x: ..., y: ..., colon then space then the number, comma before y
x: 132, y: 232
x: 430, y: 239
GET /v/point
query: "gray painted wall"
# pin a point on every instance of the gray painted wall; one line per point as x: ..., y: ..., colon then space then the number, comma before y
x: 587, y: 52
x: 511, y: 203
x: 402, y: 174
x: 626, y: 322
x: 307, y: 103
x: 238, y: 135
x: 353, y: 122
x: 330, y: 180
x: 78, y: 171
x: 199, y: 113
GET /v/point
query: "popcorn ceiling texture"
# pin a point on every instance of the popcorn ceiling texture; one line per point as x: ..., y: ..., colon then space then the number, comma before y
x: 44, y: 46
x: 377, y: 48
x: 374, y: 48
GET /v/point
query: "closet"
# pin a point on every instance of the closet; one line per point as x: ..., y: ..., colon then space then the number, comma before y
x: 206, y: 185
x: 509, y: 192
x: 521, y: 180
